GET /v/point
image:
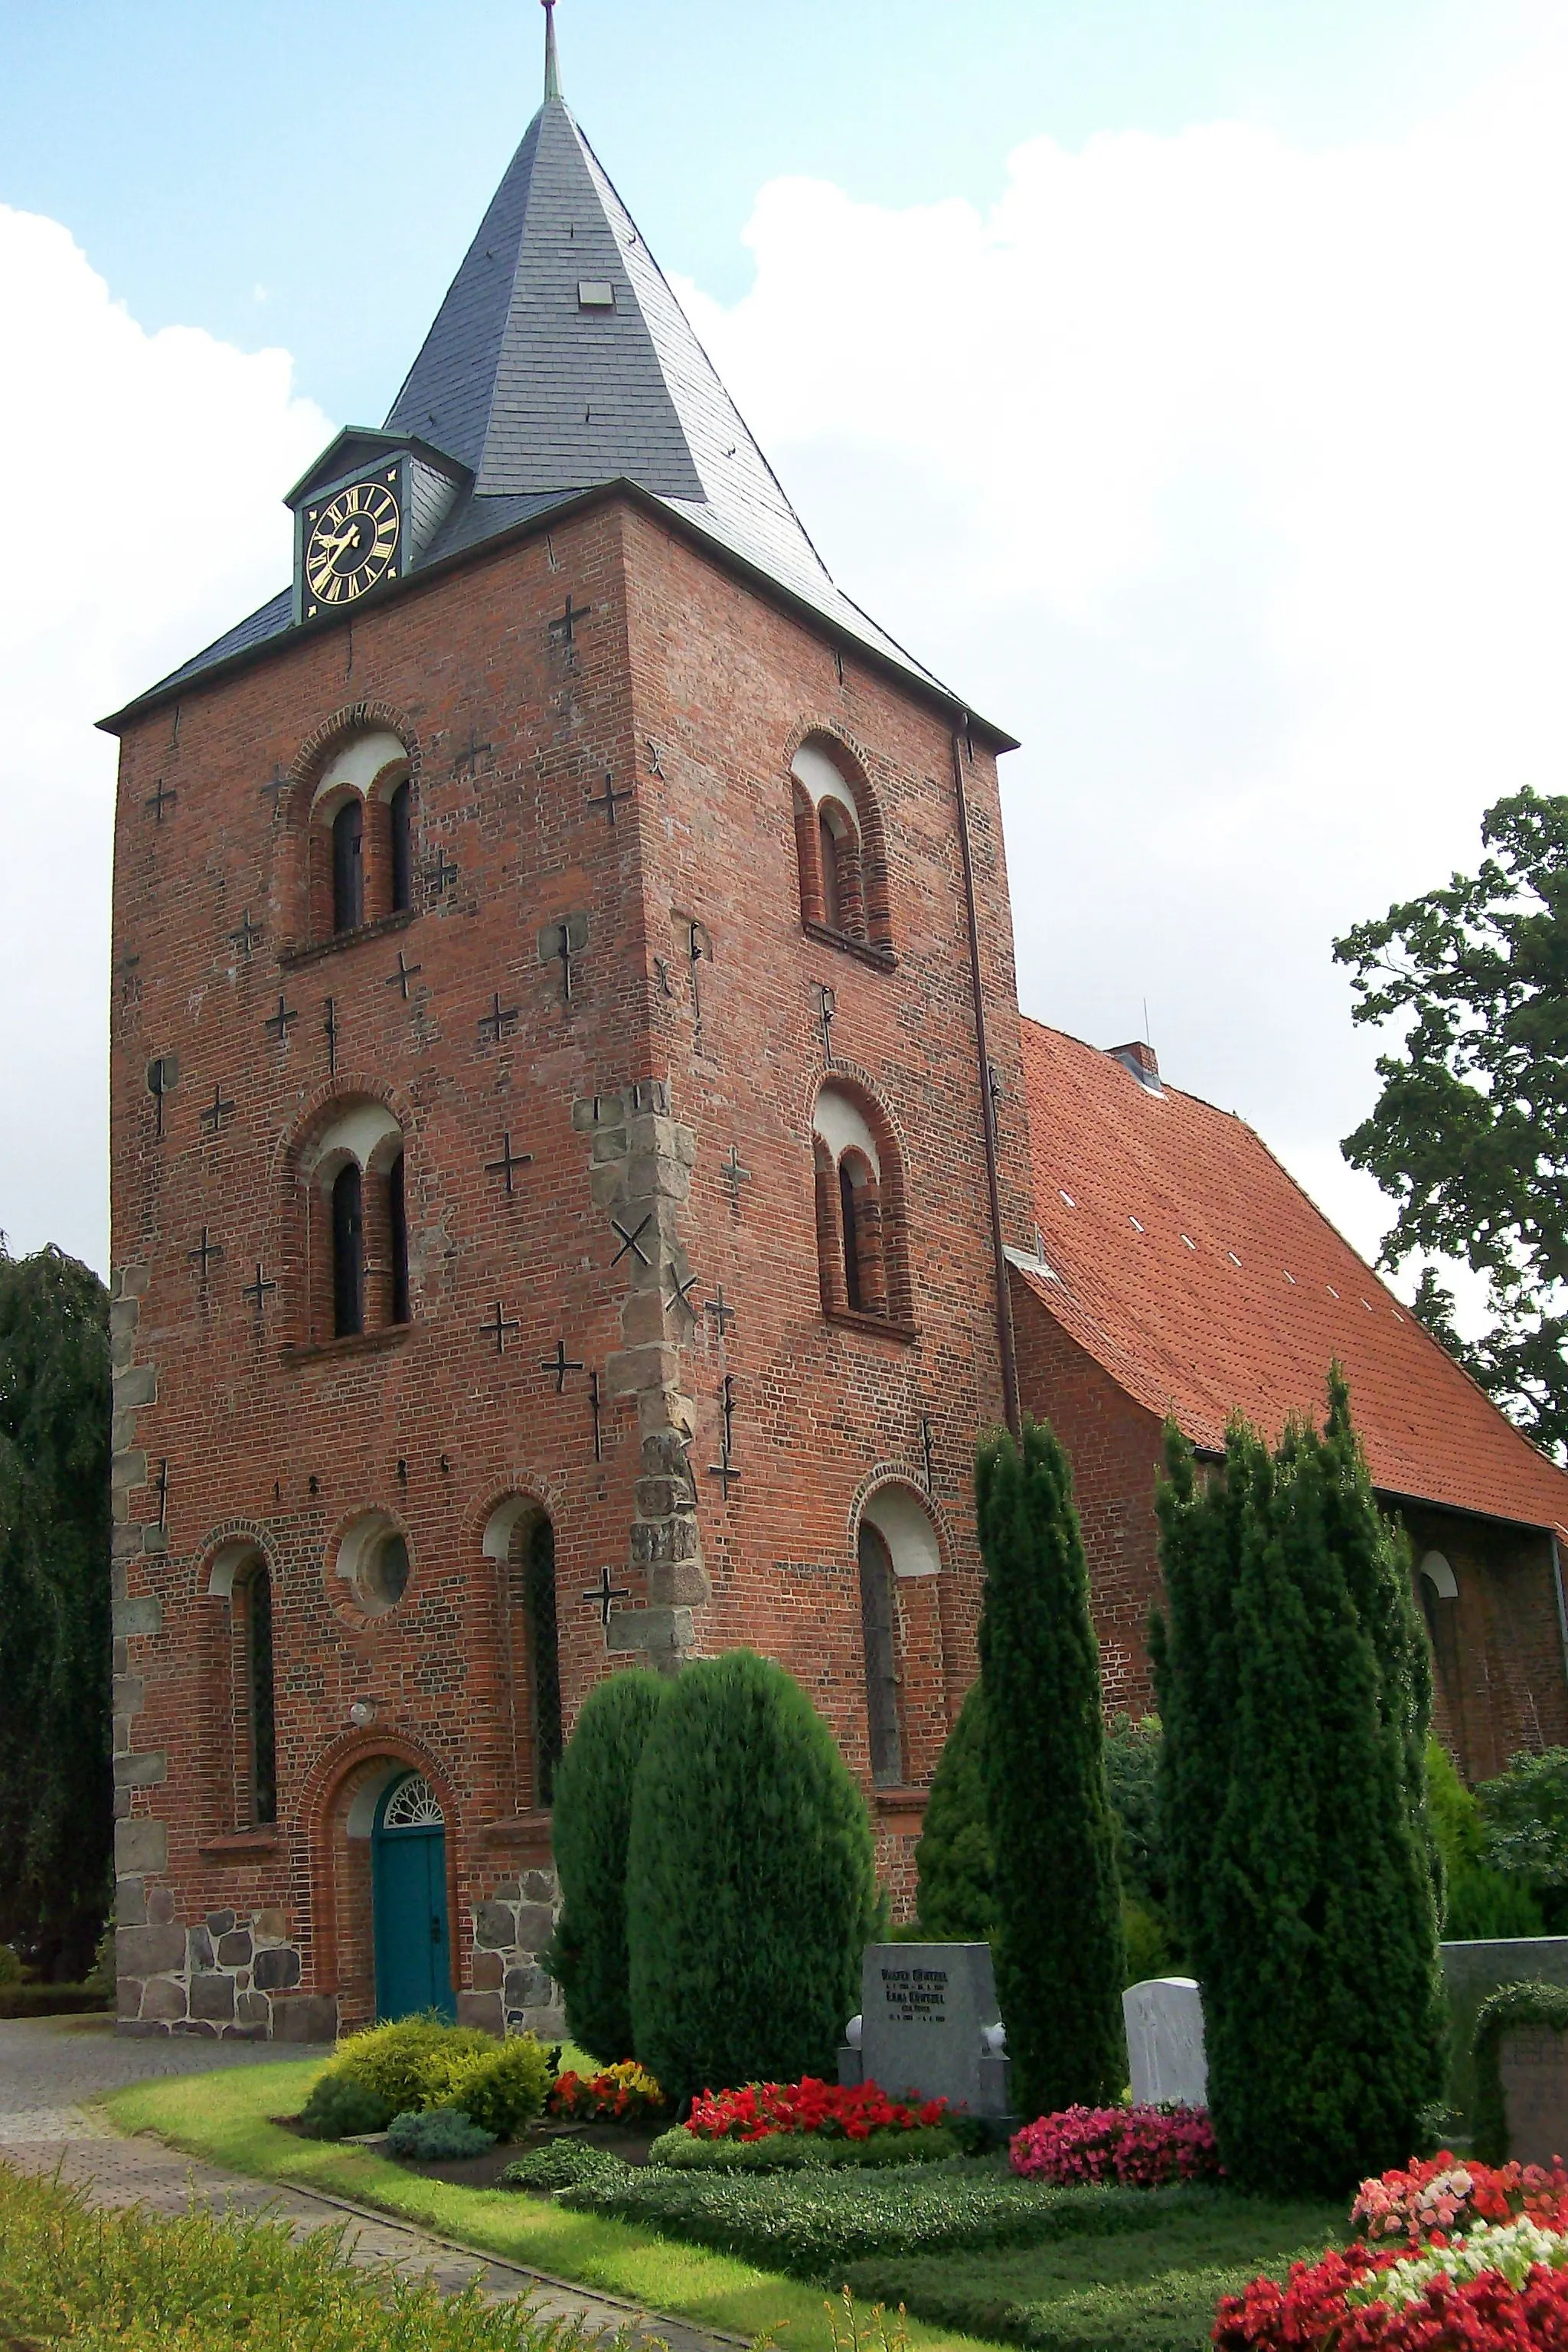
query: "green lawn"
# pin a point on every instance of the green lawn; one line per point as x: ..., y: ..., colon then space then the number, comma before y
x: 1105, y: 2276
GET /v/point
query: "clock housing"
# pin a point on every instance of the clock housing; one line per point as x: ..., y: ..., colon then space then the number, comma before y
x: 349, y: 537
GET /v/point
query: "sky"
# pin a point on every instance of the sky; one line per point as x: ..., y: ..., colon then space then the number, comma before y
x: 1182, y: 380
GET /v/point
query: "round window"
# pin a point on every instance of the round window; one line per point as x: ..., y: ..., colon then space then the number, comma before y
x: 373, y: 1560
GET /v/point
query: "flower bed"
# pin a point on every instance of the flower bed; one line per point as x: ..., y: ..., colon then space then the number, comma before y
x: 1444, y: 2193
x: 622, y: 2094
x: 836, y: 2110
x: 1137, y: 2147
x: 1482, y: 2263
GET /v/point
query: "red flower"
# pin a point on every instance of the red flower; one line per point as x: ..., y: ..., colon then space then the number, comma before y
x: 836, y: 2110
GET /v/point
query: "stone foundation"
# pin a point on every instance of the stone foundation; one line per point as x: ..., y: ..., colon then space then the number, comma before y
x: 512, y: 1991
x: 231, y: 1979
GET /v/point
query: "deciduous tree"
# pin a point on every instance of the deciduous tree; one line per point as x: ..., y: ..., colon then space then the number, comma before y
x: 1469, y: 1133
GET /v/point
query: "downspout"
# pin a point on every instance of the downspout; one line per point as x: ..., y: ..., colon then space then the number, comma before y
x: 1562, y: 1611
x: 988, y: 1120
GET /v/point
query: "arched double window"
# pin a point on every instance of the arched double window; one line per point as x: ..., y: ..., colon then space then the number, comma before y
x: 520, y: 1538
x: 861, y: 1260
x: 839, y: 848
x: 362, y: 821
x: 241, y: 1576
x: 358, y: 1216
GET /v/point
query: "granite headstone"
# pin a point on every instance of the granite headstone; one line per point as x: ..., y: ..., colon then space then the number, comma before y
x: 1164, y: 2016
x: 928, y: 2026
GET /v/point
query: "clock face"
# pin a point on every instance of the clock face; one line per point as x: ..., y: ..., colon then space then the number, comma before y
x: 352, y: 544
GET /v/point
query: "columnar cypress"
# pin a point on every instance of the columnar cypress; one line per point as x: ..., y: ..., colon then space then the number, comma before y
x: 55, y: 1821
x: 1292, y: 1702
x: 956, y: 1896
x: 752, y: 1889
x: 592, y: 1830
x: 1057, y: 1947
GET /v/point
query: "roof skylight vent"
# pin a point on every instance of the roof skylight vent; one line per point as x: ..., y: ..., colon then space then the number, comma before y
x: 1067, y: 1198
x: 1331, y: 1291
x: 595, y: 294
x: 1189, y: 1241
x: 1289, y: 1277
x: 1134, y: 1223
x: 1233, y: 1257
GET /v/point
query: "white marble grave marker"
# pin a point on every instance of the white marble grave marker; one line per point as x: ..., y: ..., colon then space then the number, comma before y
x: 1164, y: 2019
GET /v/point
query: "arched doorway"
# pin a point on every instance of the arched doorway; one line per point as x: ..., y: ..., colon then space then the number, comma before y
x: 408, y: 1895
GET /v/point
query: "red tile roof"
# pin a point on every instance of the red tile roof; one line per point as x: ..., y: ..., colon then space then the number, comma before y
x: 1185, y: 1260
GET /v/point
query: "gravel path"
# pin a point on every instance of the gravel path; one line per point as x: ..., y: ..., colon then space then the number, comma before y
x: 48, y: 2067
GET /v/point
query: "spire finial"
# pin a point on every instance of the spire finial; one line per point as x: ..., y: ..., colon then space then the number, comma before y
x: 552, y: 62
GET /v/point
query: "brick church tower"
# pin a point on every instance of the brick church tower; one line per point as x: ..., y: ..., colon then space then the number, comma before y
x: 563, y: 1010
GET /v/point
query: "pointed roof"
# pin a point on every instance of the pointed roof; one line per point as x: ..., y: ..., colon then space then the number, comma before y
x: 560, y: 362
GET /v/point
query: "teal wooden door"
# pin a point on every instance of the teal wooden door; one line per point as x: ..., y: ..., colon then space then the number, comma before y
x: 408, y: 1880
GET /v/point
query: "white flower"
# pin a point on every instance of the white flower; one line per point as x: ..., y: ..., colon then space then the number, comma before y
x: 1511, y: 2249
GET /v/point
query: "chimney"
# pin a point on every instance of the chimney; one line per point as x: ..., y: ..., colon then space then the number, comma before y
x: 1140, y: 1058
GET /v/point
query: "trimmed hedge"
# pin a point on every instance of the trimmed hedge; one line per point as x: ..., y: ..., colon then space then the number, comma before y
x: 52, y: 2000
x: 811, y: 2226
x: 1531, y: 2003
x: 683, y: 2151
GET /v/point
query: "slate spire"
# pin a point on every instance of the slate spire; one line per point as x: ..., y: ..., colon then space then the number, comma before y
x: 561, y: 360
x: 552, y: 62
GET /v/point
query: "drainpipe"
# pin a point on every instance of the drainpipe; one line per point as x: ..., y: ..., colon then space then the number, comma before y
x: 988, y: 1118
x: 1562, y: 1611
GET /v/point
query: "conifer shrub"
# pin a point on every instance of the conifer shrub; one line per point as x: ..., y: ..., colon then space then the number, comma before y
x: 1295, y: 1693
x: 1479, y: 1904
x: 437, y: 2136
x: 562, y: 2164
x: 591, y: 1829
x: 751, y: 1890
x: 410, y: 2061
x: 1057, y: 1945
x: 341, y: 2108
x: 503, y: 2087
x: 956, y: 1900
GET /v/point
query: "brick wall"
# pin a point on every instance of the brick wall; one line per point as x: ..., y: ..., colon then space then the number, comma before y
x: 631, y: 1073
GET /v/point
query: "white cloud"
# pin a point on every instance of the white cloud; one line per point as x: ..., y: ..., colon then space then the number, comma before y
x: 142, y: 518
x: 1234, y: 478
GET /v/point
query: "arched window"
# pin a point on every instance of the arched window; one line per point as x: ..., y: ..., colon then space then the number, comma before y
x: 401, y: 849
x: 241, y: 1579
x: 837, y: 832
x: 355, y: 1237
x: 880, y: 1635
x: 262, y: 1741
x: 348, y: 1251
x: 522, y: 1540
x: 397, y: 1237
x: 850, y: 1236
x: 827, y: 849
x: 348, y: 866
x: 859, y: 1205
x: 361, y: 849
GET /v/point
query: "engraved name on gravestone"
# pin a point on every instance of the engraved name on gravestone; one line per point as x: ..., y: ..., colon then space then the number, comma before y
x: 929, y: 2024
x: 1164, y: 2016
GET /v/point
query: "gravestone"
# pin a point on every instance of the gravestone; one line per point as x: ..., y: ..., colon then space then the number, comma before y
x: 1532, y: 2061
x: 928, y: 2026
x: 1165, y: 2018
